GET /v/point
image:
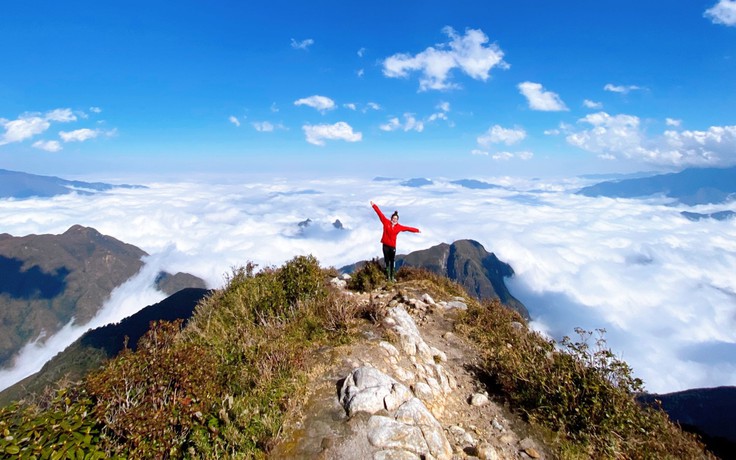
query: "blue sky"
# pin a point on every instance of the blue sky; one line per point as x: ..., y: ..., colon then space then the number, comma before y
x: 401, y: 89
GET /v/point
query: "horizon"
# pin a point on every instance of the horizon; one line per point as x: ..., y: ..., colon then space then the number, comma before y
x: 499, y: 89
x: 658, y: 282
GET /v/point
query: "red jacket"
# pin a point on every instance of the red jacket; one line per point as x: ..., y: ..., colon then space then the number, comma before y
x: 390, y: 230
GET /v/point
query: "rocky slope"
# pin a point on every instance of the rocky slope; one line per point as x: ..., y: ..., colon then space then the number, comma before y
x: 408, y: 391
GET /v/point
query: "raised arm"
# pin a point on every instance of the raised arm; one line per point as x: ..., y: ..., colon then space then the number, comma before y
x: 378, y: 211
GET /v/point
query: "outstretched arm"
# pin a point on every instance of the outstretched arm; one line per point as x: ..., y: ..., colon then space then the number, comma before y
x: 404, y: 228
x: 378, y: 211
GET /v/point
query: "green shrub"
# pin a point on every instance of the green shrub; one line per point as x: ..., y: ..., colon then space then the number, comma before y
x: 65, y: 428
x: 582, y: 392
x: 302, y: 279
x: 368, y: 277
x: 152, y: 399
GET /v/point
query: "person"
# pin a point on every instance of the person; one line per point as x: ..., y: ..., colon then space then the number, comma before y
x: 391, y: 228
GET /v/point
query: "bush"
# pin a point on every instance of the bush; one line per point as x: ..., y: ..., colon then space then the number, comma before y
x: 368, y: 277
x: 152, y: 399
x: 583, y: 393
x: 65, y: 428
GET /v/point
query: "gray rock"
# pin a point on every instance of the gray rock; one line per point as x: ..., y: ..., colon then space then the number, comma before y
x: 367, y: 389
x: 478, y: 400
x: 387, y: 433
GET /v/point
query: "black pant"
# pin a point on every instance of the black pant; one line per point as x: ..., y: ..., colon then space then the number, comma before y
x: 389, y: 256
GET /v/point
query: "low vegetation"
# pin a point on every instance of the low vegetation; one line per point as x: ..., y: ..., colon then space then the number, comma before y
x: 221, y: 387
x: 579, y: 393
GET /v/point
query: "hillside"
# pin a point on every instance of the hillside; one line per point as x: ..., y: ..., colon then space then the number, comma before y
x: 46, y: 280
x: 90, y: 351
x: 293, y: 362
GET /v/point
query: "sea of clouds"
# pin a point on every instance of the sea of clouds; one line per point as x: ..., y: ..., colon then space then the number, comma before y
x: 661, y: 286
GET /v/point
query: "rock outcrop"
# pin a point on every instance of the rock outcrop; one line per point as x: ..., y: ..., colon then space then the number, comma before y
x: 405, y: 392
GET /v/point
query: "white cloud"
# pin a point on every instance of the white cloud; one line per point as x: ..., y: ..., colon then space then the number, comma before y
x: 479, y: 152
x: 79, y: 135
x: 266, y: 126
x: 49, y: 146
x: 302, y: 45
x: 539, y: 99
x: 263, y: 126
x: 622, y: 89
x: 592, y: 104
x: 468, y: 53
x: 410, y: 124
x: 444, y: 106
x: 673, y: 122
x: 317, y: 134
x: 23, y: 128
x: 621, y: 137
x: 373, y: 106
x: 274, y: 108
x: 662, y: 286
x: 95, y: 110
x: 321, y: 103
x: 361, y: 52
x: 497, y: 134
x: 234, y: 120
x: 360, y: 73
x: 61, y: 115
x: 350, y: 106
x: 30, y: 124
x: 723, y: 12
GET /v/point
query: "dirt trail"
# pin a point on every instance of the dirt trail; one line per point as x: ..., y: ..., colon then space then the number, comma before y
x: 481, y: 429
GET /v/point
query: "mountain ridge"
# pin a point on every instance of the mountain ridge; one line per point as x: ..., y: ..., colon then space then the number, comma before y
x: 691, y: 186
x: 48, y: 280
x: 21, y: 185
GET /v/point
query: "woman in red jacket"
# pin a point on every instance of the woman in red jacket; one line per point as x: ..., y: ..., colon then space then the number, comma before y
x: 391, y: 229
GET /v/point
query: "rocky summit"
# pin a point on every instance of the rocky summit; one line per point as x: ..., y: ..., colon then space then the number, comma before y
x: 408, y: 391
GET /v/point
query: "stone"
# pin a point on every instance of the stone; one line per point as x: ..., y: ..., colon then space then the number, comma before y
x: 390, y: 349
x: 387, y: 433
x: 416, y: 413
x: 487, y: 452
x: 478, y: 400
x: 497, y: 425
x: 439, y: 356
x: 529, y: 447
x: 423, y: 391
x: 426, y: 298
x: 366, y: 389
x: 339, y: 283
x: 456, y: 304
x: 395, y: 455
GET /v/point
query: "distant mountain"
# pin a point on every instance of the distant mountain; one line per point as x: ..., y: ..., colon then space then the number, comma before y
x: 719, y: 215
x: 46, y: 280
x: 474, y: 184
x: 102, y: 343
x: 466, y: 262
x: 15, y: 184
x: 709, y: 412
x: 692, y: 186
x: 416, y: 182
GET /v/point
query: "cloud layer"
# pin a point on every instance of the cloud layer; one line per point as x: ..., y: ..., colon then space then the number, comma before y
x: 661, y: 285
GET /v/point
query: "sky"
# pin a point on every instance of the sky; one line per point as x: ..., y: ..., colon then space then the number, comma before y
x: 245, y: 118
x: 325, y: 88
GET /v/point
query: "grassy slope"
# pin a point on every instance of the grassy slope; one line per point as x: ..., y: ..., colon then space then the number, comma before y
x: 221, y: 387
